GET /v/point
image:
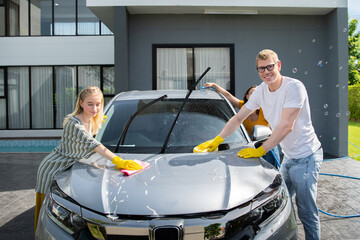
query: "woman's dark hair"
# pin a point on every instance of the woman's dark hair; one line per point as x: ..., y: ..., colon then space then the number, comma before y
x: 247, y: 92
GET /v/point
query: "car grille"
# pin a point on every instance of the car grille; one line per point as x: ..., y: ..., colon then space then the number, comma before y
x: 159, y: 233
x: 166, y: 233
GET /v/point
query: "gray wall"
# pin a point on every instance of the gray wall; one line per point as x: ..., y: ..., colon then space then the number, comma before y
x: 312, y: 49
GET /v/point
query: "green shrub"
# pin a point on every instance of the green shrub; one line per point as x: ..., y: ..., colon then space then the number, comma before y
x: 354, y: 102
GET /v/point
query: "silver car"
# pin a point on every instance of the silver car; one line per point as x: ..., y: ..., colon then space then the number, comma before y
x: 182, y: 195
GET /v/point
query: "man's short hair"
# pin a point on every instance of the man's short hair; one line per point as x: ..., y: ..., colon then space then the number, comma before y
x: 265, y: 54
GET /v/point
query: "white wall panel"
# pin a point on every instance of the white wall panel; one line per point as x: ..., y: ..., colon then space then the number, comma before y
x: 65, y: 50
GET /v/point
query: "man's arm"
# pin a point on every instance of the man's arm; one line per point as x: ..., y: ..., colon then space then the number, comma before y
x: 288, y: 118
x: 229, y: 128
x: 235, y: 122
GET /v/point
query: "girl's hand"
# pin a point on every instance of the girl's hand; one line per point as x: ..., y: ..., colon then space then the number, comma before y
x: 209, y: 84
x: 125, y: 164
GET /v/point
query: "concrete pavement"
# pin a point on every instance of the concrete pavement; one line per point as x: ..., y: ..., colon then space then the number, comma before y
x: 340, y: 196
x: 17, y: 196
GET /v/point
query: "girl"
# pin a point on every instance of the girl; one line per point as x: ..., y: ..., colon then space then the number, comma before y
x: 77, y: 142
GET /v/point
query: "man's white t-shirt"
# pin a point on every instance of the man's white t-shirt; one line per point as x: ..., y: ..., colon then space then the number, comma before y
x: 302, y: 140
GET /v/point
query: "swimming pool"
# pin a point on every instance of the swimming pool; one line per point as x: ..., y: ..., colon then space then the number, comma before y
x: 28, y: 145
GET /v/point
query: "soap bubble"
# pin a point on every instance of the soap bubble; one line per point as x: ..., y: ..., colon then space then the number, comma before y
x: 347, y: 113
x: 345, y: 29
x: 320, y: 136
x: 326, y: 113
x: 306, y: 72
x: 338, y: 115
x: 320, y: 63
x: 320, y: 86
x: 343, y: 87
x: 334, y: 138
x: 294, y: 70
x: 340, y: 68
x: 337, y: 85
x: 300, y: 51
x: 325, y: 105
x: 331, y: 47
x: 314, y: 40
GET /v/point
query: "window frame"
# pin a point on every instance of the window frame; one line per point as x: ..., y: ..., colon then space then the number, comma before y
x: 193, y: 46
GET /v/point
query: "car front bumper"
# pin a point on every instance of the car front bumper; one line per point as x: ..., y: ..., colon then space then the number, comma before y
x: 281, y: 226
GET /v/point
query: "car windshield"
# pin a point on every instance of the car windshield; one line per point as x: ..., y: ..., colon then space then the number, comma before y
x: 199, y: 121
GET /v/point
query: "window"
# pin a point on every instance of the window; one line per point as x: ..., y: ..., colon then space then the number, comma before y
x: 2, y: 83
x: 41, y: 97
x: 14, y: 15
x: 18, y: 97
x: 108, y: 83
x: 178, y: 67
x: 2, y: 18
x: 48, y: 17
x: 89, y: 76
x: 2, y: 113
x: 13, y: 18
x: 2, y: 100
x: 64, y: 17
x: 88, y: 23
x: 159, y: 117
x: 109, y: 80
x: 41, y: 17
x: 65, y: 80
x: 42, y: 104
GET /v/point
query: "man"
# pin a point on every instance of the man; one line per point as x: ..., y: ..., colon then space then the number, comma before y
x: 285, y: 104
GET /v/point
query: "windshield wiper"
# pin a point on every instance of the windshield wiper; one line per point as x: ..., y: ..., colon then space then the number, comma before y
x: 192, y: 88
x: 125, y: 129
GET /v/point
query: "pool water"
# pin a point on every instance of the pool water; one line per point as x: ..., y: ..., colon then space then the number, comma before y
x: 28, y: 145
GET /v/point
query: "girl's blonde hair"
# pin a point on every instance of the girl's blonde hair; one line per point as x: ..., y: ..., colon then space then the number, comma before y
x: 95, y: 121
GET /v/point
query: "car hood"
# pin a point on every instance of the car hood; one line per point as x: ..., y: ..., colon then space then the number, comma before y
x: 174, y: 184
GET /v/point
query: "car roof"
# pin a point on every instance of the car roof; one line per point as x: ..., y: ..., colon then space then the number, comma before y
x: 171, y: 94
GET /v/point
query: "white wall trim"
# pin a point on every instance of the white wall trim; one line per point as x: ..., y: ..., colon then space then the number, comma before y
x: 56, y: 50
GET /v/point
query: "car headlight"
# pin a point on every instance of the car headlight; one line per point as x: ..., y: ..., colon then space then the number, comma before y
x: 264, y: 207
x: 269, y: 202
x: 68, y: 220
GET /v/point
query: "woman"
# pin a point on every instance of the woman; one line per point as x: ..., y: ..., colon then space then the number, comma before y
x: 77, y: 142
x: 255, y: 118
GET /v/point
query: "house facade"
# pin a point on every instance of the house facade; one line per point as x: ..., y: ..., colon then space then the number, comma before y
x: 168, y: 44
x: 49, y: 51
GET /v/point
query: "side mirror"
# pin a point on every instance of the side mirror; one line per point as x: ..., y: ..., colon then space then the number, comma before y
x: 260, y: 132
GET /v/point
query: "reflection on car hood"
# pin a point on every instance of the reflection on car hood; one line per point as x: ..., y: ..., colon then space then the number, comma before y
x: 174, y: 184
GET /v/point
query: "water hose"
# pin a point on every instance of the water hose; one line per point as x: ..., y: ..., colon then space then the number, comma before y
x: 356, y: 147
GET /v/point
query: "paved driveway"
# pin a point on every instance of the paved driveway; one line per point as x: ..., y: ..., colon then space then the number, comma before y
x: 340, y: 196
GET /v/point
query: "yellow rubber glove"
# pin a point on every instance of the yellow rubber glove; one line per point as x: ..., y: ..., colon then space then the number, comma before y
x: 252, y: 152
x: 209, y: 146
x: 125, y: 164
